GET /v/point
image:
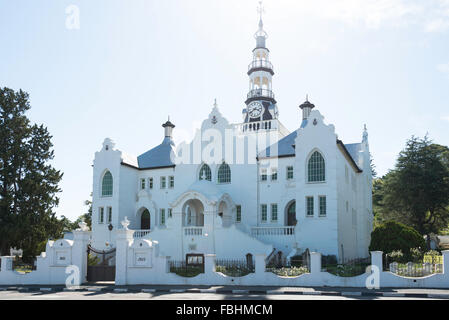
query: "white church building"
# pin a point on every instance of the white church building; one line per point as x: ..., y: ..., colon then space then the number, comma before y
x: 252, y: 187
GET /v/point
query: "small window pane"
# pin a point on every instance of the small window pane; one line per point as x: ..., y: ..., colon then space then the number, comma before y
x: 238, y: 216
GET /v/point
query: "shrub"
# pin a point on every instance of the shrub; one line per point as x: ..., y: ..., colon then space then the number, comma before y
x: 416, y: 255
x: 392, y: 236
x: 395, y: 256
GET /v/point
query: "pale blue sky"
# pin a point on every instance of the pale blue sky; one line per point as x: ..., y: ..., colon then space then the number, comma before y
x: 132, y: 63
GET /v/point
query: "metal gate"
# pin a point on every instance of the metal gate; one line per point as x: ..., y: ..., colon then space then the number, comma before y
x: 100, y: 264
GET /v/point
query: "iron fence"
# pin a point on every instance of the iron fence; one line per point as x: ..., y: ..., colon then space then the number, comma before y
x: 23, y: 266
x: 412, y: 269
x: 183, y: 269
x: 235, y: 267
x: 345, y: 268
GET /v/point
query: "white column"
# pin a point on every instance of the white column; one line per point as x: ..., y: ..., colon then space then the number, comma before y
x: 260, y: 263
x: 376, y: 259
x: 445, y: 262
x: 315, y: 262
x: 6, y: 263
x: 123, y: 239
x: 79, y: 253
x: 209, y: 263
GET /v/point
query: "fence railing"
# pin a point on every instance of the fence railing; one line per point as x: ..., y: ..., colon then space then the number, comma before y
x: 183, y: 269
x: 411, y: 269
x: 272, y: 231
x: 345, y: 268
x: 235, y: 267
x: 193, y: 231
x: 284, y: 267
x: 260, y: 64
x: 140, y: 233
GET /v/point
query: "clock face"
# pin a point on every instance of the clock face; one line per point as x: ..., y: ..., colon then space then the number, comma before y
x: 255, y: 109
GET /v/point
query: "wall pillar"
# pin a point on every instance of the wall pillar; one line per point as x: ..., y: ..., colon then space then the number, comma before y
x: 260, y: 263
x: 315, y: 262
x: 6, y: 264
x: 79, y: 253
x: 209, y: 263
x: 445, y: 262
x: 123, y: 240
x: 376, y: 259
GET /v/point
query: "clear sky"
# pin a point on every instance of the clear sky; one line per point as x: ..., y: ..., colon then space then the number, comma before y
x: 132, y: 63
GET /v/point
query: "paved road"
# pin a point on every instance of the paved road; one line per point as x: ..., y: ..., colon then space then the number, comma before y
x: 88, y: 295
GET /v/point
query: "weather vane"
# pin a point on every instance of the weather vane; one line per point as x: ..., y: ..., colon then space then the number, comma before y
x: 260, y: 9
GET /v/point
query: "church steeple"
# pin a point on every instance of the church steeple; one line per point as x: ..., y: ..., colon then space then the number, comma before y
x: 260, y: 102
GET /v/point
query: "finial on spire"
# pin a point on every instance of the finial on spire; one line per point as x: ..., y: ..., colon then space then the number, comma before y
x: 215, y: 103
x: 365, y: 133
x: 260, y: 10
x: 307, y: 97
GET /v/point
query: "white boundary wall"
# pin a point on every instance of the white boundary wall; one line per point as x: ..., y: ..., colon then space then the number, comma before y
x: 52, y: 264
x: 140, y: 263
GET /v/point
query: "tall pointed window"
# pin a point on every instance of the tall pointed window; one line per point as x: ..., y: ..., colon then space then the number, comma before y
x: 316, y: 168
x: 106, y: 185
x: 205, y: 173
x: 224, y: 173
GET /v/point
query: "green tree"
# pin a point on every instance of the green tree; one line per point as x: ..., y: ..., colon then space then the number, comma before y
x: 28, y: 183
x: 416, y: 192
x: 86, y: 217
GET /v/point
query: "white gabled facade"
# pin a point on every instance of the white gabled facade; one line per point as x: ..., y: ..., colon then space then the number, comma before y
x: 238, y: 189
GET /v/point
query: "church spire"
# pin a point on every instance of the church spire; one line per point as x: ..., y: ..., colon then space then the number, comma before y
x: 260, y: 101
x: 260, y: 35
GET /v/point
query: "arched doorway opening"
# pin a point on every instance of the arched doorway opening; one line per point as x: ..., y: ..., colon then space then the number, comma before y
x: 225, y: 214
x: 193, y: 213
x: 290, y: 214
x: 145, y: 220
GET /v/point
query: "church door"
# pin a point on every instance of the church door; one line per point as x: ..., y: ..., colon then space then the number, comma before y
x: 145, y: 220
x: 291, y: 214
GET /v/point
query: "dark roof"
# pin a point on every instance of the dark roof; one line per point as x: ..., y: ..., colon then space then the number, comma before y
x: 307, y: 104
x: 158, y: 157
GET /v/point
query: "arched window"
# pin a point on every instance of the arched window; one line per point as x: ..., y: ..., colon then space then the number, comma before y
x: 106, y: 185
x: 316, y: 168
x: 205, y: 173
x: 224, y: 173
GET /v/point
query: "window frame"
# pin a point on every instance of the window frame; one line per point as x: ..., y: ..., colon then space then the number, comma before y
x: 289, y: 169
x: 162, y: 216
x: 315, y: 171
x: 163, y: 182
x: 171, y: 182
x: 320, y: 198
x: 238, y: 213
x: 224, y: 171
x: 274, y: 205
x: 103, y: 191
x: 308, y: 207
x: 101, y: 215
x: 263, y: 213
x: 274, y: 173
